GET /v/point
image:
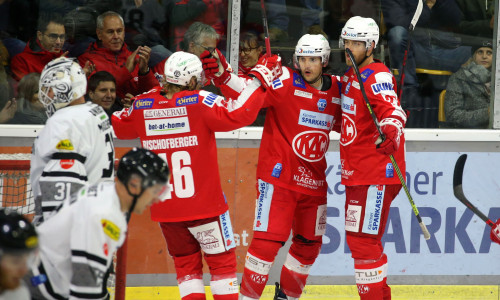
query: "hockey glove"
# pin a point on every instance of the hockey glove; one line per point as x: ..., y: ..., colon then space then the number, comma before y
x: 392, y: 129
x: 495, y: 232
x: 267, y: 69
x: 215, y: 66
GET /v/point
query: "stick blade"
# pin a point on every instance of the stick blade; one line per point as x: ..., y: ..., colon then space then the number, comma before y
x: 458, y: 176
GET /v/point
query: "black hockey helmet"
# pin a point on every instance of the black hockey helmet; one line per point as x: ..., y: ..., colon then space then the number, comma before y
x: 17, y: 234
x: 147, y: 164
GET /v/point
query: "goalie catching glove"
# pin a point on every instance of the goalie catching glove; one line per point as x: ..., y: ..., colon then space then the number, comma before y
x: 267, y: 69
x: 215, y: 66
x: 495, y: 232
x: 391, y: 128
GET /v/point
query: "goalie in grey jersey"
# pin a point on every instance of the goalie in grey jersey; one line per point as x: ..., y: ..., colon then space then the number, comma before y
x: 76, y: 145
x: 78, y: 241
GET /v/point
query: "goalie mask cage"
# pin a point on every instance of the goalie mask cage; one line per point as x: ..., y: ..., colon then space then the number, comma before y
x: 16, y: 194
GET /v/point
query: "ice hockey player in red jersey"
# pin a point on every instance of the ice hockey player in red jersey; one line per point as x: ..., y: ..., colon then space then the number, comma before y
x: 179, y: 123
x: 367, y: 171
x: 303, y: 107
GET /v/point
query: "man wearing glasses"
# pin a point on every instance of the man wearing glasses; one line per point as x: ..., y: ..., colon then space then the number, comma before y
x: 198, y: 38
x: 48, y: 45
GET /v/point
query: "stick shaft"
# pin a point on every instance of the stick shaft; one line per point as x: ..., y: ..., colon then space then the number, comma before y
x: 266, y: 28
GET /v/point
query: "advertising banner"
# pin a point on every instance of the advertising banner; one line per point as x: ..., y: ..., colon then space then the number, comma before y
x: 460, y: 243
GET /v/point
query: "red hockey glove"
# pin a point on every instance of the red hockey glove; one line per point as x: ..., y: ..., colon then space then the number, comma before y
x: 392, y: 129
x: 215, y: 66
x: 495, y: 232
x: 267, y: 69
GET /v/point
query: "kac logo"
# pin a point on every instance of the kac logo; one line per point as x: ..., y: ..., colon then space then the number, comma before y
x: 311, y: 145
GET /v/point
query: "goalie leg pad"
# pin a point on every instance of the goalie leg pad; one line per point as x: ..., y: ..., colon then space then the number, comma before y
x: 258, y: 262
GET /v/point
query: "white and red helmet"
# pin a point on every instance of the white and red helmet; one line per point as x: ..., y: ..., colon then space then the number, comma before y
x: 181, y: 66
x: 312, y: 45
x: 360, y: 29
x: 67, y: 81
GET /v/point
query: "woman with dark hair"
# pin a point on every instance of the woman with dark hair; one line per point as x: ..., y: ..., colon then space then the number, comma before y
x: 250, y: 52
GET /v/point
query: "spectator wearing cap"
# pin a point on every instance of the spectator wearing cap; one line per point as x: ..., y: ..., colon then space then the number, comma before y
x: 468, y: 93
x: 39, y: 51
x: 110, y: 53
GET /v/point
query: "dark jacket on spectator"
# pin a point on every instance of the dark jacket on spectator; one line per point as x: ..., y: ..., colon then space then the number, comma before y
x: 433, y: 26
x: 476, y: 17
x: 32, y: 60
x: 467, y: 98
x: 114, y: 62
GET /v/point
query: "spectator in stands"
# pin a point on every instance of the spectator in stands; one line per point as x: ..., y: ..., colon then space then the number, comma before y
x: 467, y: 99
x: 279, y: 19
x: 8, y: 107
x: 477, y: 17
x: 182, y: 14
x: 250, y: 51
x: 433, y: 46
x: 18, y: 246
x: 39, y: 51
x: 198, y: 38
x: 251, y: 48
x: 102, y: 91
x: 110, y: 53
x: 29, y: 109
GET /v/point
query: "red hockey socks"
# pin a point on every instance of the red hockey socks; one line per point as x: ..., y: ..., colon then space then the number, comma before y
x: 294, y: 276
x: 224, y: 287
x: 371, y: 279
x: 191, y: 287
x: 255, y: 277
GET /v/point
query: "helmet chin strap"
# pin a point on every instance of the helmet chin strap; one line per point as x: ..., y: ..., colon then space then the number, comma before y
x: 134, y: 202
x: 366, y: 56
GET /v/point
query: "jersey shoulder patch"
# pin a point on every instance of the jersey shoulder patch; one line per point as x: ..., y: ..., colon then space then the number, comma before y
x: 209, y: 98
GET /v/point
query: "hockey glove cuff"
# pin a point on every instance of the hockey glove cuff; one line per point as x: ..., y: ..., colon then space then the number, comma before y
x: 267, y: 69
x: 392, y: 129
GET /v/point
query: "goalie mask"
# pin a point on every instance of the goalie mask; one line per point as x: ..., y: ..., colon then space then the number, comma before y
x: 181, y: 66
x: 62, y: 81
x: 360, y: 29
x: 312, y: 45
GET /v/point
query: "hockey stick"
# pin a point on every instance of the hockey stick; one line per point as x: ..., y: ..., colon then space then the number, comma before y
x: 427, y: 235
x: 266, y: 28
x: 459, y: 192
x: 413, y: 23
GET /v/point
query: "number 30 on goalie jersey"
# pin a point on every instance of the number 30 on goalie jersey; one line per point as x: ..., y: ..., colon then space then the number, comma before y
x: 74, y: 148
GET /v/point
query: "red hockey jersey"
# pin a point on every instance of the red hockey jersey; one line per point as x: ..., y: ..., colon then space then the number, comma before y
x: 182, y: 131
x: 361, y: 163
x: 296, y: 133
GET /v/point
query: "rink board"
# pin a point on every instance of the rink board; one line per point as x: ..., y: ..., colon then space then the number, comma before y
x: 459, y: 253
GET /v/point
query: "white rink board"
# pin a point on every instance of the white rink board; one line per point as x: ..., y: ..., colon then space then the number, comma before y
x: 460, y: 244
